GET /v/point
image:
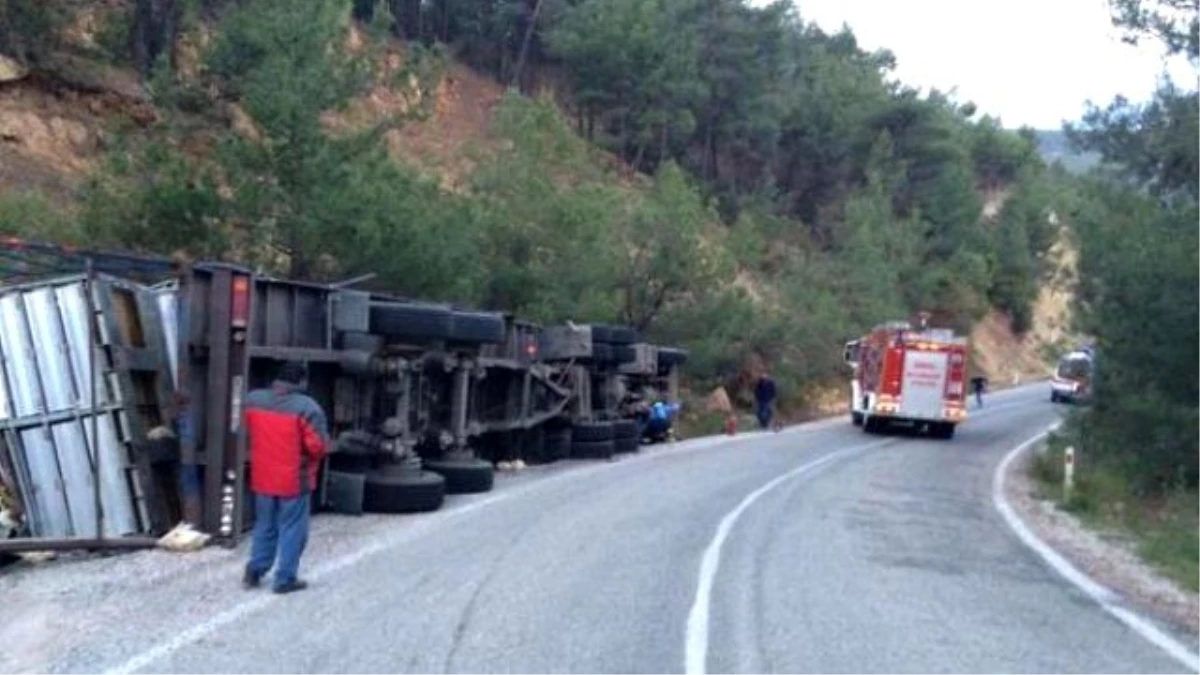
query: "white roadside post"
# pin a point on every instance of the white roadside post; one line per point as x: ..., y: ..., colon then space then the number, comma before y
x: 1068, y: 472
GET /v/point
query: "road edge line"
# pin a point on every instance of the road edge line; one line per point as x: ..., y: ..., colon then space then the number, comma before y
x: 695, y: 642
x: 1108, y: 600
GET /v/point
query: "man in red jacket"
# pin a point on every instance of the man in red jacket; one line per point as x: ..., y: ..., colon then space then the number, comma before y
x: 288, y: 439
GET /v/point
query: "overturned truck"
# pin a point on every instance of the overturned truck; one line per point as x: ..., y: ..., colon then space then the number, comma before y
x: 124, y: 375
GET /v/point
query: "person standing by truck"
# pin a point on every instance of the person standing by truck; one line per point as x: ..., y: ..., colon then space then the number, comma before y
x: 288, y: 440
x: 764, y: 399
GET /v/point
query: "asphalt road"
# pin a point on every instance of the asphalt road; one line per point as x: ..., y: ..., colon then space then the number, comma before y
x: 861, y: 554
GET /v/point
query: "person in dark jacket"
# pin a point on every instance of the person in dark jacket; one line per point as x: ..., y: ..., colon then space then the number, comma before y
x: 764, y: 400
x: 288, y: 439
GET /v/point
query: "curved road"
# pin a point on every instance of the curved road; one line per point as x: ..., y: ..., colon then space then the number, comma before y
x: 819, y: 549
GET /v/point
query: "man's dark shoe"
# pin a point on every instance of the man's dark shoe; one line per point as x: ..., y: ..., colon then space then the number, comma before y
x: 251, y: 580
x: 291, y: 586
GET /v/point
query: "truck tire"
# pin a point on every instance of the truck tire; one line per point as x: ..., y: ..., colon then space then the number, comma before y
x: 625, y: 429
x: 856, y: 418
x: 874, y: 425
x: 556, y: 444
x: 463, y: 476
x: 671, y: 356
x: 593, y: 449
x: 399, y: 489
x: 588, y: 432
x: 624, y: 354
x: 481, y: 327
x: 601, y: 333
x: 602, y: 352
x: 622, y: 335
x: 410, y: 321
x: 942, y: 430
x: 625, y: 446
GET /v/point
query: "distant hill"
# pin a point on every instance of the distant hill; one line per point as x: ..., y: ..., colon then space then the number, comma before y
x: 1053, y: 145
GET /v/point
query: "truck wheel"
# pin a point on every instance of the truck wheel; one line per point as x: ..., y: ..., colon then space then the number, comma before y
x: 593, y: 449
x: 400, y: 489
x: 463, y: 476
x: 587, y: 432
x: 942, y: 430
x: 624, y: 354
x: 625, y: 436
x: 483, y: 327
x: 602, y: 352
x: 556, y: 444
x: 410, y: 321
x: 601, y: 333
x: 874, y: 425
x: 671, y: 356
x: 622, y: 335
x: 856, y: 418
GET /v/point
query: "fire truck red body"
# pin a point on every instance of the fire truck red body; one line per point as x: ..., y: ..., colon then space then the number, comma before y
x: 907, y: 377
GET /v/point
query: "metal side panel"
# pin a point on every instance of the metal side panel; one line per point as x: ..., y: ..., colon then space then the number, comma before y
x: 50, y: 350
x: 49, y: 515
x: 75, y: 467
x: 120, y: 517
x: 72, y: 303
x: 19, y: 365
x: 167, y: 300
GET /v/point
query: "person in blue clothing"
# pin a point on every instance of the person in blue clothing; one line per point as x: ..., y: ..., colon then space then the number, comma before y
x: 764, y: 400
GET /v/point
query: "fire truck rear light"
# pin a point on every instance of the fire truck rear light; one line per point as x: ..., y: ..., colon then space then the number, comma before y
x: 240, y: 306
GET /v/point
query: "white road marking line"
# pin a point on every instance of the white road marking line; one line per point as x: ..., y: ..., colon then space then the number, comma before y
x: 695, y: 645
x: 429, y: 521
x: 1106, y: 598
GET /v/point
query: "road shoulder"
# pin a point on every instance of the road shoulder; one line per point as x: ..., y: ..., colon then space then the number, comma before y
x: 1109, y: 558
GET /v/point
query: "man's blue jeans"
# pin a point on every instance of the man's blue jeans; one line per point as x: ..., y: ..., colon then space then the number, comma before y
x: 280, y: 525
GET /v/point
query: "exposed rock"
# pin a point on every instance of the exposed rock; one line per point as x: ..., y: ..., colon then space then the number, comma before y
x: 11, y: 70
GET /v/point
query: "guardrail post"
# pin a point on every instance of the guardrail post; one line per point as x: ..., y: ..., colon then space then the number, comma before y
x: 1068, y: 472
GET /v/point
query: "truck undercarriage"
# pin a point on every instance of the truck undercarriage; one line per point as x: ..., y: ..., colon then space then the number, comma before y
x: 123, y: 378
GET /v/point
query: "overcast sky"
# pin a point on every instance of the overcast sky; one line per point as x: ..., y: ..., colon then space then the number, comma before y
x: 1029, y: 62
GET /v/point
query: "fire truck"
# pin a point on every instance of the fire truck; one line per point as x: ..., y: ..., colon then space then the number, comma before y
x: 906, y: 377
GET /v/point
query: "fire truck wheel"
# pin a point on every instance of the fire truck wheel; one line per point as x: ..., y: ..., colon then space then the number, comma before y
x: 943, y: 431
x: 593, y: 449
x: 484, y: 327
x: 463, y: 476
x: 588, y: 432
x: 396, y: 489
x: 556, y: 444
x: 874, y: 425
x: 856, y: 419
x: 410, y: 321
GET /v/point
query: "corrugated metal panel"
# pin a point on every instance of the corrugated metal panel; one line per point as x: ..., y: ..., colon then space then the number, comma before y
x: 46, y: 399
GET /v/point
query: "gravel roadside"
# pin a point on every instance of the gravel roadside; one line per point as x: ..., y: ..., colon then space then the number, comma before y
x: 1108, y: 557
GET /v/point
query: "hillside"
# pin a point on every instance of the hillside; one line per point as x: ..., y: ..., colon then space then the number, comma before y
x: 763, y: 228
x: 1054, y: 147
